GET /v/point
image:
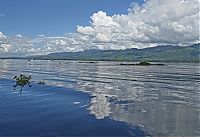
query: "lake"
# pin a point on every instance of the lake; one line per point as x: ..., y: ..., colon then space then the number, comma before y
x: 99, y: 99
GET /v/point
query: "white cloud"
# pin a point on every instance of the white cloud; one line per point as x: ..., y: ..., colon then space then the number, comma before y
x: 68, y: 43
x: 15, y: 45
x: 155, y: 22
x: 18, y: 36
x: 60, y: 42
x: 41, y: 35
x: 100, y: 37
x: 21, y: 48
x: 101, y: 19
x: 2, y: 36
x: 2, y: 15
x: 6, y: 47
x: 85, y: 30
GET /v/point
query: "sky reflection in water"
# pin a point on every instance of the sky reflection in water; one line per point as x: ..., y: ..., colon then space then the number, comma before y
x: 161, y: 100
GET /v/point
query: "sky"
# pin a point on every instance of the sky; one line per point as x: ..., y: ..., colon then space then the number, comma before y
x: 32, y: 27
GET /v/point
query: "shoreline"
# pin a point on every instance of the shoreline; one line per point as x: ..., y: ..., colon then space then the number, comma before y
x: 96, y: 60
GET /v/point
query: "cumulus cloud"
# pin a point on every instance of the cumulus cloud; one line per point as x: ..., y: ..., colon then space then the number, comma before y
x: 2, y: 36
x: 18, y: 36
x: 41, y: 35
x: 71, y: 42
x: 156, y: 22
x: 85, y: 30
x: 17, y: 44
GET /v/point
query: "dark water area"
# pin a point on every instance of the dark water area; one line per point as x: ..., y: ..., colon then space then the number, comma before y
x: 100, y: 99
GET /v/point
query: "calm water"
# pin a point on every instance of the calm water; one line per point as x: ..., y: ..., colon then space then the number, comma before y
x: 100, y: 99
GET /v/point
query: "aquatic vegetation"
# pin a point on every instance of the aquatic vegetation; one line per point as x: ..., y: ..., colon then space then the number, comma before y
x: 23, y: 80
x: 89, y: 62
x: 148, y: 64
x: 41, y: 83
x: 144, y: 64
x: 140, y: 64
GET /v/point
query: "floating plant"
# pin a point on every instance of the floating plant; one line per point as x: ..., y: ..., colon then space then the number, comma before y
x: 23, y: 80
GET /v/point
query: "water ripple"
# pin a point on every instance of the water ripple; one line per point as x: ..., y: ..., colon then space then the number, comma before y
x: 158, y: 99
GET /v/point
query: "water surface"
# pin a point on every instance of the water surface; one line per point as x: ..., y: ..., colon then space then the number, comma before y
x: 100, y: 99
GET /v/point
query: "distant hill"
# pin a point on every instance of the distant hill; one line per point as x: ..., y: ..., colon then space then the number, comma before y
x: 157, y: 54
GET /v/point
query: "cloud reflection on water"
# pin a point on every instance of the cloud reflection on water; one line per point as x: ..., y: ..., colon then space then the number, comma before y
x: 163, y: 100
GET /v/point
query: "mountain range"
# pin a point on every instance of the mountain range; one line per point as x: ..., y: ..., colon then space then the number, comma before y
x: 166, y: 53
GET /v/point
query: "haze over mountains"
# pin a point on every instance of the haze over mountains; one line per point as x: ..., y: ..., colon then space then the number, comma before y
x: 159, y: 53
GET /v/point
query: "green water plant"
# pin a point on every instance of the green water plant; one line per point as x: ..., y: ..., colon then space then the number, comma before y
x: 41, y: 83
x: 141, y: 64
x: 23, y: 80
x: 144, y: 63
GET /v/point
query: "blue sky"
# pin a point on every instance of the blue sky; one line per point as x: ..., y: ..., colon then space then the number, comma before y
x: 53, y: 17
x: 30, y: 27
